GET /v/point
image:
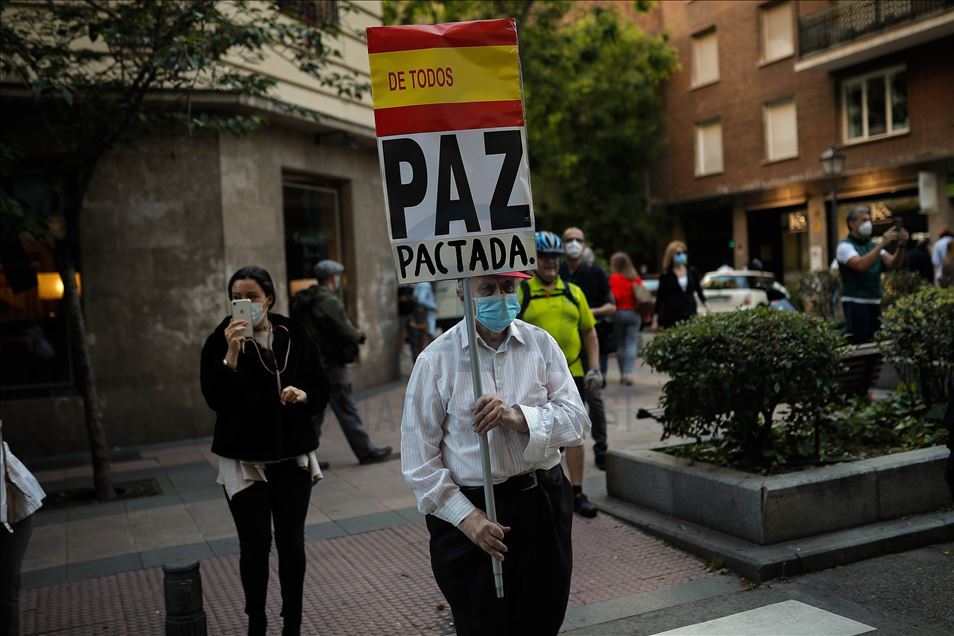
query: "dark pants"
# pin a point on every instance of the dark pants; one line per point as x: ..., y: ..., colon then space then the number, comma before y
x: 283, y: 499
x: 13, y: 547
x: 597, y: 409
x: 861, y: 321
x: 346, y: 410
x: 536, y: 569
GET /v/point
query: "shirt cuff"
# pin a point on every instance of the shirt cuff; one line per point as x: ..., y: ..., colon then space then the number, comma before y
x: 537, y: 446
x: 456, y: 509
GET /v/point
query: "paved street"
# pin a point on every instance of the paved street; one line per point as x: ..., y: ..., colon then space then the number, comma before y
x: 96, y: 568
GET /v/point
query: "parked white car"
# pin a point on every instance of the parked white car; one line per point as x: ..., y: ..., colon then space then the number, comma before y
x: 729, y: 289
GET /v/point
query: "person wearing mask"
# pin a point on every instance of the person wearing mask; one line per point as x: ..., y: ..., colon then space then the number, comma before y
x: 941, y: 248
x: 627, y: 321
x: 264, y: 390
x: 20, y: 497
x: 560, y: 308
x: 918, y: 260
x: 678, y: 287
x: 322, y: 314
x: 591, y: 278
x: 531, y: 410
x: 860, y: 262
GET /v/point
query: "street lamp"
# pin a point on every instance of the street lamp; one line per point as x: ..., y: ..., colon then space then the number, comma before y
x: 833, y: 163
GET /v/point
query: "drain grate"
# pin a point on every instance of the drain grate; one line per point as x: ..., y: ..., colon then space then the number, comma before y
x: 72, y: 497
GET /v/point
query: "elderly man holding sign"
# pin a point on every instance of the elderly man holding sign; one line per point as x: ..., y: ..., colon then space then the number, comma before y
x: 529, y: 410
x: 448, y: 112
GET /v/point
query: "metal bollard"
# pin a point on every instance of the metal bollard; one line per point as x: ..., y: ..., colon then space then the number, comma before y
x: 183, y: 592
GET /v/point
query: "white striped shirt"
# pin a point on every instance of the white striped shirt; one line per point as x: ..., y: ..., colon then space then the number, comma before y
x: 440, y: 450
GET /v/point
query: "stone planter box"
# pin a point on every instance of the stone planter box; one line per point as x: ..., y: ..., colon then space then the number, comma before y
x: 779, y: 508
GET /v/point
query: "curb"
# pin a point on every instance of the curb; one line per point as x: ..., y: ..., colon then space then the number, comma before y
x: 765, y: 562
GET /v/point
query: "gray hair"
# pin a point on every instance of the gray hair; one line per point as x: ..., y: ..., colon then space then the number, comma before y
x: 856, y: 212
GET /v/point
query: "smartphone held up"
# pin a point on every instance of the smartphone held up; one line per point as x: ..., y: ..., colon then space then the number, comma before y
x: 242, y: 310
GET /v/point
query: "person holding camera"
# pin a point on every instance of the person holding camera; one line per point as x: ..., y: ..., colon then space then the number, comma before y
x: 860, y: 262
x: 322, y: 314
x: 259, y: 376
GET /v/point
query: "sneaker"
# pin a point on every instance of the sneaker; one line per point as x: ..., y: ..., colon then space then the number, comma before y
x: 377, y: 455
x: 600, y: 460
x: 583, y: 506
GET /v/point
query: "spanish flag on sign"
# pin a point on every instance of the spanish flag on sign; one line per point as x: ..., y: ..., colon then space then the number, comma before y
x: 457, y: 76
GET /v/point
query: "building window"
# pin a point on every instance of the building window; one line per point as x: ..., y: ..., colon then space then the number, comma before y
x: 777, y: 32
x: 705, y: 58
x: 312, y: 210
x: 875, y: 104
x: 708, y: 148
x: 314, y: 13
x: 781, y: 130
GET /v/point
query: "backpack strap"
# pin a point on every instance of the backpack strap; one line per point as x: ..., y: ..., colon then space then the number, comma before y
x: 525, y: 294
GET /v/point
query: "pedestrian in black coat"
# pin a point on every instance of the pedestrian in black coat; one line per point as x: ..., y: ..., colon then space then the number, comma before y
x: 264, y: 390
x: 678, y: 287
x: 919, y: 260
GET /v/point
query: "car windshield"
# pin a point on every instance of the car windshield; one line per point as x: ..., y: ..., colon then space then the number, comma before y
x: 734, y: 281
x: 726, y: 282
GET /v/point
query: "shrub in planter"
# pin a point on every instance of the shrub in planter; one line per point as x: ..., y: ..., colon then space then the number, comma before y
x: 821, y: 293
x: 898, y: 284
x: 729, y: 372
x: 917, y: 337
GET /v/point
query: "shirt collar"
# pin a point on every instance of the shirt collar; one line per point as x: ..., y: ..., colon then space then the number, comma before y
x: 516, y: 330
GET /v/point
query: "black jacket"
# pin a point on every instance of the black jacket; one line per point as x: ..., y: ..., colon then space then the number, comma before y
x: 251, y: 422
x: 672, y: 303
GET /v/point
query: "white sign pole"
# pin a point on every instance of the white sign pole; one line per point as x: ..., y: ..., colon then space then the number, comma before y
x: 491, y: 506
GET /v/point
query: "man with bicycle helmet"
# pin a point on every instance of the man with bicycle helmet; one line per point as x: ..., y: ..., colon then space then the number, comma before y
x: 560, y: 308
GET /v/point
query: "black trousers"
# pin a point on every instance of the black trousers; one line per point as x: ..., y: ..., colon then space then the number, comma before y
x: 536, y: 569
x: 861, y: 321
x: 13, y: 547
x: 345, y: 408
x: 283, y: 499
x: 597, y: 411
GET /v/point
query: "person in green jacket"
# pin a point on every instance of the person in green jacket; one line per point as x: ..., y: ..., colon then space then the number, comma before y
x: 860, y: 262
x: 322, y: 314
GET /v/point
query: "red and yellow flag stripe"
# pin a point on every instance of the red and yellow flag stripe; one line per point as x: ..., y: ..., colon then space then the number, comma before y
x: 445, y: 77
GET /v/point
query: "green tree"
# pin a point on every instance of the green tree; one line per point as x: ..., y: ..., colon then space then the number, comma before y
x: 100, y: 72
x: 594, y: 109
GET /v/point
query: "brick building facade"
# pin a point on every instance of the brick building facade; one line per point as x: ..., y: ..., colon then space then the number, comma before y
x: 765, y: 88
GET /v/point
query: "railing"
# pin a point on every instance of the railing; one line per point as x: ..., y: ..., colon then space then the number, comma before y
x: 846, y: 22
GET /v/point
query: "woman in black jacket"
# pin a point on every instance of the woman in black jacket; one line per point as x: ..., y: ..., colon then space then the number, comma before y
x: 678, y: 286
x: 264, y: 391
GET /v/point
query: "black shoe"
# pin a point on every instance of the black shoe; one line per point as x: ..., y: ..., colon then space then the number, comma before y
x: 377, y: 455
x: 324, y: 465
x: 257, y: 625
x: 583, y: 506
x: 600, y: 460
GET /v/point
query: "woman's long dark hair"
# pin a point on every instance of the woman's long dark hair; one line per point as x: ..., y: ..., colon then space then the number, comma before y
x: 259, y: 275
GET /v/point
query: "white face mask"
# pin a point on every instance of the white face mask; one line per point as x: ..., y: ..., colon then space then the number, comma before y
x: 257, y: 314
x: 865, y: 229
x: 574, y: 249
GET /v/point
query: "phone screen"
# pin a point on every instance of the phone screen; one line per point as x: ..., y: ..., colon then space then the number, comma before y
x: 242, y: 310
x: 898, y: 222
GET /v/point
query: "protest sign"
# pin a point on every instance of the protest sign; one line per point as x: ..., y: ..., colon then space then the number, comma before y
x: 453, y: 148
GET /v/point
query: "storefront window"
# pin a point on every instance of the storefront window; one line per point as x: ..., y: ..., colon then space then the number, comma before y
x: 34, y: 335
x: 312, y: 228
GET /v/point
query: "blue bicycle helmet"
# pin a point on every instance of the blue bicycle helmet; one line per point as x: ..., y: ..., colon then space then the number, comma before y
x: 549, y: 243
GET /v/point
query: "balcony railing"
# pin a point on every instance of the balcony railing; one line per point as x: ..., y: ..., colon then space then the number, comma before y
x: 846, y: 22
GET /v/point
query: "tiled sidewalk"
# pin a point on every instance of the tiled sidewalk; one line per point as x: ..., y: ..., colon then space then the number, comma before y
x: 94, y: 569
x: 375, y: 582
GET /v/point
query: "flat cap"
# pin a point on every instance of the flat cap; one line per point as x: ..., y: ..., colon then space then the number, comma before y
x: 328, y: 268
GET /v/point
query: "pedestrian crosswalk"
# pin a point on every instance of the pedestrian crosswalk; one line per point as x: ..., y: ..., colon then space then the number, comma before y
x: 789, y: 618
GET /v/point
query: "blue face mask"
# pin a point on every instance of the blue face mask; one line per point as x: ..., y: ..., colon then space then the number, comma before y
x: 681, y: 259
x: 498, y: 311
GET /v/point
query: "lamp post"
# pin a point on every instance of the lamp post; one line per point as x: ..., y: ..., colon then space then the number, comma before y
x: 833, y: 163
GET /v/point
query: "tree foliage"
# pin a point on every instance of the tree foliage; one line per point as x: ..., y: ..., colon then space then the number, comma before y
x: 594, y: 112
x: 98, y: 72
